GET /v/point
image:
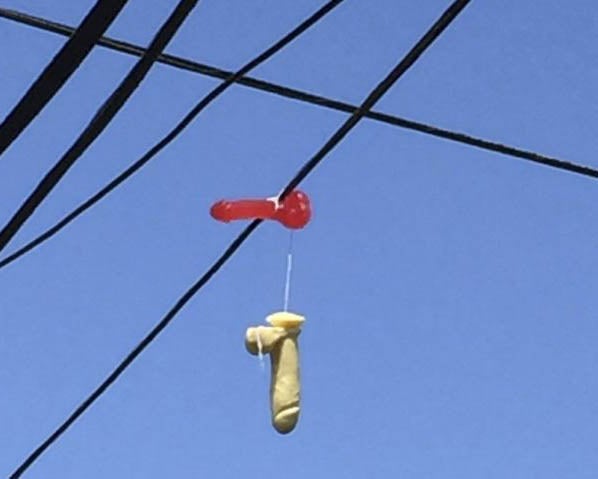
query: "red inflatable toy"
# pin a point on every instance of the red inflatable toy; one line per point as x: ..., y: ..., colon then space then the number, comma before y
x: 293, y: 212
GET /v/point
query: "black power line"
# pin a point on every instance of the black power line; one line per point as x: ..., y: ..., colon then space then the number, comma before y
x: 300, y: 95
x: 439, y: 26
x: 178, y: 129
x: 58, y: 71
x: 447, y: 17
x: 100, y: 120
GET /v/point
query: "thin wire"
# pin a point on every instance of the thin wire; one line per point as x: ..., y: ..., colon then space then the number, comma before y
x: 287, y: 281
x: 411, y: 57
x: 60, y: 68
x: 441, y: 24
x: 306, y: 97
x: 134, y: 353
x: 260, y: 347
x: 178, y: 129
x: 215, y: 267
x: 100, y: 121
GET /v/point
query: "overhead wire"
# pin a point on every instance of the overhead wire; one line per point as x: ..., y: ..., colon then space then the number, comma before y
x: 173, y: 133
x: 307, y: 97
x: 151, y: 336
x: 432, y: 34
x: 59, y: 70
x: 100, y: 121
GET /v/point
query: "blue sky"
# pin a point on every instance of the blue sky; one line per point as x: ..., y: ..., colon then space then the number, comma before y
x: 450, y: 293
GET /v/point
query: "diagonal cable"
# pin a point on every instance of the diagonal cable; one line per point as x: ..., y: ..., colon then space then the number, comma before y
x: 100, y: 121
x: 307, y: 97
x: 58, y: 71
x: 177, y: 130
x: 439, y: 26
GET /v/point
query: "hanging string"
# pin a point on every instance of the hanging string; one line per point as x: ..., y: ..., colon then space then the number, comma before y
x: 287, y: 284
x: 260, y: 347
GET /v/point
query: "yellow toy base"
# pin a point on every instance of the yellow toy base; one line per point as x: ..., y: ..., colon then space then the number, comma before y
x: 286, y: 320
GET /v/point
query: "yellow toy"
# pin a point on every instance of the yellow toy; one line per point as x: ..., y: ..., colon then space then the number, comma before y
x: 280, y: 341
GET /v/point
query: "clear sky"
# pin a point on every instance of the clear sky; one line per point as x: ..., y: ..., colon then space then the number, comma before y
x: 450, y: 293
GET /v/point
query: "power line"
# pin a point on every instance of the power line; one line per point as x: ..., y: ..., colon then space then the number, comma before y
x: 448, y: 16
x: 169, y: 137
x: 58, y: 71
x: 439, y: 26
x: 300, y: 95
x: 100, y: 120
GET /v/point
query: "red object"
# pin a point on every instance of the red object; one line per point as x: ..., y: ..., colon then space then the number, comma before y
x: 293, y: 212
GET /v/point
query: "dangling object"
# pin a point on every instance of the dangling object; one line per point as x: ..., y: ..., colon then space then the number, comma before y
x: 293, y: 212
x: 280, y: 341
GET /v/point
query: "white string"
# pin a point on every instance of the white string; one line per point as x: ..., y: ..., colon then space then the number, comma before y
x: 287, y: 284
x: 260, y: 347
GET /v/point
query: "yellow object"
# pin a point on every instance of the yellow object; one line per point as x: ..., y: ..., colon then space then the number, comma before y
x: 280, y: 341
x: 286, y: 320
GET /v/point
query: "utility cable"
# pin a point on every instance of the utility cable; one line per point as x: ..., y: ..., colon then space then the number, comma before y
x: 100, y: 120
x: 177, y: 130
x: 439, y: 26
x: 300, y: 95
x: 60, y: 68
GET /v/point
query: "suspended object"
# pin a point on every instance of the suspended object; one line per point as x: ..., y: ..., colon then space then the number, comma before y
x: 294, y: 211
x: 279, y: 340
